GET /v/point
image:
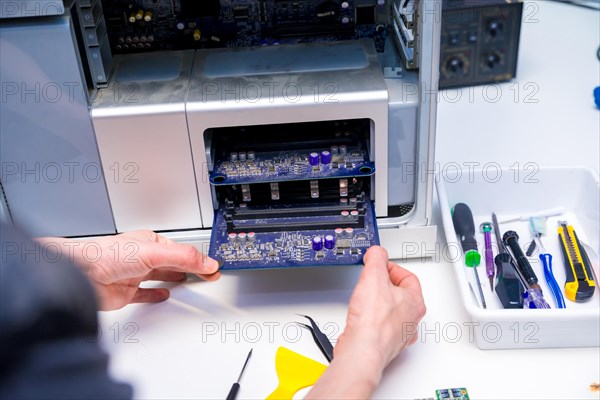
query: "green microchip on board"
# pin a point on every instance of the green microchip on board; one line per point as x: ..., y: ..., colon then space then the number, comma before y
x: 452, y: 394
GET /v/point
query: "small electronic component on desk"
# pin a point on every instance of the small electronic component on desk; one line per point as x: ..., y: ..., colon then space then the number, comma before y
x: 454, y: 393
x: 450, y: 394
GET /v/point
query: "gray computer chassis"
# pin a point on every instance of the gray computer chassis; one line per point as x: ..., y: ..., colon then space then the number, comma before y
x: 96, y: 141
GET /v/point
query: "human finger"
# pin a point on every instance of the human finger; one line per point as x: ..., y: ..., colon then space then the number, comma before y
x: 153, y: 295
x: 165, y: 275
x: 178, y: 257
x: 375, y: 260
x: 403, y: 277
x: 408, y: 281
x: 141, y: 235
x: 376, y: 254
x: 210, y: 277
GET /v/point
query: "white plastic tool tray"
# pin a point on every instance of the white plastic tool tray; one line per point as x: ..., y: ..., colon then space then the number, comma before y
x: 513, y: 193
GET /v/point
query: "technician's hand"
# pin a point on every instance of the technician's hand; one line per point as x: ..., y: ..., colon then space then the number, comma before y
x: 116, y: 265
x: 384, y: 310
x: 383, y: 314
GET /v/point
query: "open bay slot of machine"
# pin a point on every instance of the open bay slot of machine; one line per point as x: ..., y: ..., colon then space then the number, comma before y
x: 298, y: 197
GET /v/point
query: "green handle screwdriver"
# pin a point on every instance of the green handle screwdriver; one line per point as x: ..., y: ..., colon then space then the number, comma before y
x: 462, y: 218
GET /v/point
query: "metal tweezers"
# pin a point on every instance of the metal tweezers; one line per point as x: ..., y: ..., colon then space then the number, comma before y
x: 320, y: 338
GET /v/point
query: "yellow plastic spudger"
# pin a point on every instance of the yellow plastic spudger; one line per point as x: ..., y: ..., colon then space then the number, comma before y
x: 295, y: 372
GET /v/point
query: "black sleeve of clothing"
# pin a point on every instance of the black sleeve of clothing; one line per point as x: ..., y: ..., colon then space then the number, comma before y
x: 48, y: 326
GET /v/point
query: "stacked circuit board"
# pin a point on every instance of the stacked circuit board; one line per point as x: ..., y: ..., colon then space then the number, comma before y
x: 299, y: 199
x: 336, y: 243
x: 146, y: 25
x: 248, y: 167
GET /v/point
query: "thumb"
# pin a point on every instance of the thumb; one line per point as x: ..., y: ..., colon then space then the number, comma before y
x: 375, y: 269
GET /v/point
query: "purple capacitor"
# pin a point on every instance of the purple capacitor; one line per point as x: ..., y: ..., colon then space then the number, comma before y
x: 317, y: 243
x: 325, y: 157
x: 329, y: 242
x: 313, y: 159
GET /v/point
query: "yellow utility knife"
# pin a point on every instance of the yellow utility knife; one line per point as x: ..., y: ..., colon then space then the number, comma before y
x: 580, y: 283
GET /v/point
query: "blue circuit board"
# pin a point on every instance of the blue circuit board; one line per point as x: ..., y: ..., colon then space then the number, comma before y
x: 274, y: 166
x: 279, y: 249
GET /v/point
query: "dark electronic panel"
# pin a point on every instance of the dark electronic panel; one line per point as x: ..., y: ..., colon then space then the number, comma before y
x: 480, y: 41
x: 147, y: 25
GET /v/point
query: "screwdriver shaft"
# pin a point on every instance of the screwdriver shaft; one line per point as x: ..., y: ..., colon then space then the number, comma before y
x: 464, y: 226
x: 479, y: 286
x: 236, y: 386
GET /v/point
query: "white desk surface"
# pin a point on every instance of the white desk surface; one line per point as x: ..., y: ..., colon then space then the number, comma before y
x: 193, y: 345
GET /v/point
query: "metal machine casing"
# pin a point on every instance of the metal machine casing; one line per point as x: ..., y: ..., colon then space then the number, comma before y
x: 141, y: 128
x: 321, y: 88
x: 152, y: 125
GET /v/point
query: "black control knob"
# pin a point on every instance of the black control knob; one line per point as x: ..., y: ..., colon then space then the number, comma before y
x: 455, y: 65
x: 494, y: 27
x: 492, y: 60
